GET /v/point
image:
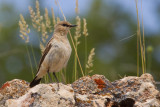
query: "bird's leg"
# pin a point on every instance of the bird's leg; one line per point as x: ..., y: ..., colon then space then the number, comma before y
x: 49, y: 76
x: 56, y: 79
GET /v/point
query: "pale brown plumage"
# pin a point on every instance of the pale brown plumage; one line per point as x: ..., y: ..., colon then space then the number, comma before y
x: 56, y: 53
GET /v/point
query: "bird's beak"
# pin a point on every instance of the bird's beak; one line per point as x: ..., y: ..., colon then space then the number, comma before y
x: 72, y: 25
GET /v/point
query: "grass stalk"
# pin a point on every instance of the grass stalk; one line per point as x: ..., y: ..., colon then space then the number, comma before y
x: 137, y: 41
x: 143, y: 41
x: 75, y: 63
x: 46, y: 79
x: 140, y: 43
x: 30, y: 62
x: 65, y: 76
x: 86, y: 72
x: 34, y: 57
x: 61, y: 10
x: 76, y: 54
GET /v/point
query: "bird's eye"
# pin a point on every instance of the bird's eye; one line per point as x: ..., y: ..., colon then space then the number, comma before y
x: 65, y: 25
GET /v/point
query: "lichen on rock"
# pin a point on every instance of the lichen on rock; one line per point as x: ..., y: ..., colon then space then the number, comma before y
x: 12, y: 90
x: 91, y: 91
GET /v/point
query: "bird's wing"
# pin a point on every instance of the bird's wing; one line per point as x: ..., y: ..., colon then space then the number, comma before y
x: 44, y: 54
x: 37, y: 80
x: 48, y: 47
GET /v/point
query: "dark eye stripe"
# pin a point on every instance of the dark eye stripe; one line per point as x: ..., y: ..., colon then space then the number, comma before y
x: 65, y: 25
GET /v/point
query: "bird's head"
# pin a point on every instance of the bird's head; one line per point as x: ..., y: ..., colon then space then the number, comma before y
x: 63, y: 27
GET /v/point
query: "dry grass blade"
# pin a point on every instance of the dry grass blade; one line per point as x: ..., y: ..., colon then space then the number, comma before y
x: 90, y: 59
x: 85, y: 31
x: 76, y: 53
x: 24, y: 29
x: 37, y: 9
x: 58, y: 19
x: 137, y: 42
x: 143, y: 41
x: 47, y: 19
x: 44, y: 37
x: 33, y: 16
x: 36, y: 17
x: 78, y: 30
x: 57, y: 2
x: 76, y: 9
x: 42, y: 47
x: 53, y: 17
x: 141, y: 44
x: 44, y: 33
x: 76, y: 37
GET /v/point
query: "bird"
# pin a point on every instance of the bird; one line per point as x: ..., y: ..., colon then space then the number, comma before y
x: 56, y: 53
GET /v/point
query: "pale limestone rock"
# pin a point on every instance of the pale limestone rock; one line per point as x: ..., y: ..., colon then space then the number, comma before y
x: 90, y: 91
x: 45, y: 95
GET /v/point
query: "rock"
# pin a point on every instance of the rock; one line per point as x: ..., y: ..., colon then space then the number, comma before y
x: 12, y: 90
x: 141, y: 89
x: 45, y: 95
x: 91, y: 91
x: 88, y: 90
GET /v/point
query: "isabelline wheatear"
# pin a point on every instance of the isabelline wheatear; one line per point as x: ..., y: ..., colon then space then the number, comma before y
x: 56, y: 53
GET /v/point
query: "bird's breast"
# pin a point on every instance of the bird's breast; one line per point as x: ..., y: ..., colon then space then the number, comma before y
x: 59, y: 55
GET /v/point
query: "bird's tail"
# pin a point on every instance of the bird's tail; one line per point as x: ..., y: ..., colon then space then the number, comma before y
x: 35, y: 82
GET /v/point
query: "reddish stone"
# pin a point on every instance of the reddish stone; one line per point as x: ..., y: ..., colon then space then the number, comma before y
x: 101, y: 84
x: 5, y: 85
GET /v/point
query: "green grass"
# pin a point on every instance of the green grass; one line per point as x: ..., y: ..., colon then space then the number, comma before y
x: 140, y: 43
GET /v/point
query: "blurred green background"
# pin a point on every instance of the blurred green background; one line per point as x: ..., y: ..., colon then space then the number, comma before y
x: 111, y: 26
